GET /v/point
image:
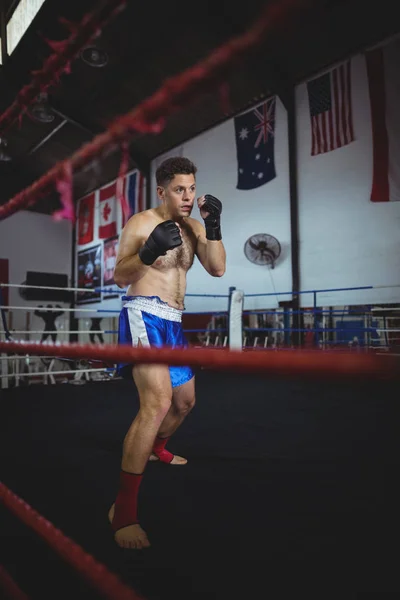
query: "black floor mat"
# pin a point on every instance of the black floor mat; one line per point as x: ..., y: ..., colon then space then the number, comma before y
x: 289, y: 485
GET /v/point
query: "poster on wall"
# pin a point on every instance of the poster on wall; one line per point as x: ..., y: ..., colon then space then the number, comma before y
x: 89, y: 274
x: 109, y: 260
x: 4, y: 279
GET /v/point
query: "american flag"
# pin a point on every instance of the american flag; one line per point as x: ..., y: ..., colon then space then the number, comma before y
x: 330, y: 110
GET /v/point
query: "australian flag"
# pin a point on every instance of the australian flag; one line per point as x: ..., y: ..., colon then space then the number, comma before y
x: 254, y: 132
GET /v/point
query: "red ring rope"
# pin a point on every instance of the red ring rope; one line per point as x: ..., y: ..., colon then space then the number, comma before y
x: 299, y: 363
x: 9, y: 586
x: 59, y: 62
x: 150, y: 115
x: 106, y: 583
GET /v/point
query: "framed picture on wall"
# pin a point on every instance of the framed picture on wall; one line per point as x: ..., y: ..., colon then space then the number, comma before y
x: 109, y: 260
x: 4, y: 279
x: 89, y: 274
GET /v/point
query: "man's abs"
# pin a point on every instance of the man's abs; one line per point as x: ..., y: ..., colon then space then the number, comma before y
x: 169, y: 285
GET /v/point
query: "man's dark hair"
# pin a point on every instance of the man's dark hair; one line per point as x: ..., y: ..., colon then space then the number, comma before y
x: 176, y: 165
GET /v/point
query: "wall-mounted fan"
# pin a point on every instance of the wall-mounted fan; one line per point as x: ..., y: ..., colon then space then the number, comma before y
x: 262, y: 249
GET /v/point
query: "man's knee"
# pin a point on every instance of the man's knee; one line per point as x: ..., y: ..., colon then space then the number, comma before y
x: 184, y: 403
x: 155, y: 405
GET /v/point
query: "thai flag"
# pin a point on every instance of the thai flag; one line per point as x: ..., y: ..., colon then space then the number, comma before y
x: 134, y: 195
x: 384, y: 91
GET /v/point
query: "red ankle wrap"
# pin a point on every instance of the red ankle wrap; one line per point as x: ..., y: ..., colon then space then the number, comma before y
x: 159, y: 450
x: 127, y: 500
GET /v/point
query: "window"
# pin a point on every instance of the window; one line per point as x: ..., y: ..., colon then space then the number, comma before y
x: 21, y: 19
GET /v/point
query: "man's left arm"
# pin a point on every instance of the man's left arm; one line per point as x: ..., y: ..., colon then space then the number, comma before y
x: 210, y: 249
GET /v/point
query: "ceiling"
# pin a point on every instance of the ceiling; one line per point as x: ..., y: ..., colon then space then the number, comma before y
x: 148, y: 43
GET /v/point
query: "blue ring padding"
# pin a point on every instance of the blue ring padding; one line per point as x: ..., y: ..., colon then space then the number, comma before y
x: 105, y: 291
x: 291, y: 293
x: 310, y: 312
x: 207, y: 295
x: 205, y: 330
x: 214, y: 314
x: 190, y: 330
x: 315, y: 329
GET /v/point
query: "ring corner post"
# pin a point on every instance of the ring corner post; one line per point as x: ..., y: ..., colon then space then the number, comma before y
x: 235, y: 312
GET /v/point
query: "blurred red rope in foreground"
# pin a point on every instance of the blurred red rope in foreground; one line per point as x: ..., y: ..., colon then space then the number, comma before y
x: 149, y: 116
x: 59, y: 62
x: 299, y: 363
x: 9, y: 587
x: 106, y: 583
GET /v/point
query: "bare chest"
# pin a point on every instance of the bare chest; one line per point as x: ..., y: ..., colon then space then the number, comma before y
x: 181, y: 257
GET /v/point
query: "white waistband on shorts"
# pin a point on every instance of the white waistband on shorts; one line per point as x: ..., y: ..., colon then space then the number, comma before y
x: 154, y: 306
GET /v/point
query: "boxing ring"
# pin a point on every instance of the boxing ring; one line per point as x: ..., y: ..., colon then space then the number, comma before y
x: 287, y: 450
x: 323, y: 328
x: 250, y: 404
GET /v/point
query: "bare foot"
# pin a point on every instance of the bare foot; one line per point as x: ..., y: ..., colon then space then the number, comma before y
x: 177, y: 460
x: 132, y: 537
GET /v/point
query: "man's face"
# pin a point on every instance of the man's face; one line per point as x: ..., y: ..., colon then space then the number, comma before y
x: 179, y: 195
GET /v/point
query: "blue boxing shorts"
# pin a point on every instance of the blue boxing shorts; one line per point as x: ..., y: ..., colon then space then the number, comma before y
x: 154, y: 323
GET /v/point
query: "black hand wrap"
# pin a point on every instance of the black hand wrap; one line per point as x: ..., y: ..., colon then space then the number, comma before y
x: 163, y: 237
x: 213, y: 226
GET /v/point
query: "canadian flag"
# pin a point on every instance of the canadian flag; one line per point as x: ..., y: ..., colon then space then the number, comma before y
x: 108, y: 212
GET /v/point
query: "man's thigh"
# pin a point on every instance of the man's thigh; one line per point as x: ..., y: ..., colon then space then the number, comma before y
x: 153, y: 383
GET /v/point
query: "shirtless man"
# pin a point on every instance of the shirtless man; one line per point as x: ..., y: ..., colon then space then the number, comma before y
x: 157, y: 248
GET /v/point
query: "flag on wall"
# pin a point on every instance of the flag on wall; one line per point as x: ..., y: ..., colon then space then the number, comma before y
x: 384, y: 91
x: 255, y: 133
x: 329, y: 98
x: 134, y: 193
x: 108, y: 212
x: 86, y: 220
